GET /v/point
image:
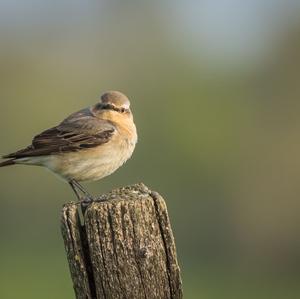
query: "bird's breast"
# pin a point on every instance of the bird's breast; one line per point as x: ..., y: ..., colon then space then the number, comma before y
x: 95, y: 163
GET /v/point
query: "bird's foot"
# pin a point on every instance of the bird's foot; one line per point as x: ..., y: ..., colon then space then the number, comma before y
x: 86, y: 201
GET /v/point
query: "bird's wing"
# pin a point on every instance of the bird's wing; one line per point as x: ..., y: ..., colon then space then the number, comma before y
x: 78, y: 132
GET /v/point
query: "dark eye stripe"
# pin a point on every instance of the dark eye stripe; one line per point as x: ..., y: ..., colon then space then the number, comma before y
x: 110, y: 107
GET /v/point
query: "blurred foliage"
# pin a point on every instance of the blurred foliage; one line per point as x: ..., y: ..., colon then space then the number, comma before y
x: 221, y: 145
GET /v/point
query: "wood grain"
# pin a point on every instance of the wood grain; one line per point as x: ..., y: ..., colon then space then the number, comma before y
x: 125, y: 249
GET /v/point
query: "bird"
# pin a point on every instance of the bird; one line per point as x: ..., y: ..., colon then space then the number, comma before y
x: 88, y: 145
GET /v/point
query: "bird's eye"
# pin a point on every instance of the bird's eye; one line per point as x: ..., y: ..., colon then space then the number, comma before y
x: 122, y: 110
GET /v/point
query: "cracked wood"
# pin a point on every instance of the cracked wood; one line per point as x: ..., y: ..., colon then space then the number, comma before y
x: 125, y: 249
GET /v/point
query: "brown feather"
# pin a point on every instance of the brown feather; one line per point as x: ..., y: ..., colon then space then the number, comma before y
x: 7, y: 163
x: 79, y: 131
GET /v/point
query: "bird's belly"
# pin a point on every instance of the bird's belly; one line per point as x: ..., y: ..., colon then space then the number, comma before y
x: 91, y: 164
x: 89, y: 169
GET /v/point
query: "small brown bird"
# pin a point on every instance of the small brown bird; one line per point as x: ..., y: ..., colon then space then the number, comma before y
x: 87, y: 146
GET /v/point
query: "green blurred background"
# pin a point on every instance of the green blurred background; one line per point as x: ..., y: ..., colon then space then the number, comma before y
x: 215, y: 89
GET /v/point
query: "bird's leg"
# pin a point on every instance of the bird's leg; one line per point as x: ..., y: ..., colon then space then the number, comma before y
x: 75, y: 190
x: 88, y: 198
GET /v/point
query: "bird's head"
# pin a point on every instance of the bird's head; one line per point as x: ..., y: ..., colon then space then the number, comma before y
x: 112, y: 102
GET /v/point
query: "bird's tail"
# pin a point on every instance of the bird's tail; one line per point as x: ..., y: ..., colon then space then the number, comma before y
x: 7, y: 163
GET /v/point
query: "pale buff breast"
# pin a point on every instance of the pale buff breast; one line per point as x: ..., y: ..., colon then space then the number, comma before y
x: 96, y: 163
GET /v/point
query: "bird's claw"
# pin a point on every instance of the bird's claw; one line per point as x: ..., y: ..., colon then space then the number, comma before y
x: 86, y: 201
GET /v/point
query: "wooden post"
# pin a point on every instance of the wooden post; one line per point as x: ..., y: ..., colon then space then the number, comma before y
x: 125, y: 249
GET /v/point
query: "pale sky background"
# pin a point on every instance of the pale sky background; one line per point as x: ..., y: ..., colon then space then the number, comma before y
x: 224, y: 31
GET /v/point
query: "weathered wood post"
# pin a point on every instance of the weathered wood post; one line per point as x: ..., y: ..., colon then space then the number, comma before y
x: 125, y: 249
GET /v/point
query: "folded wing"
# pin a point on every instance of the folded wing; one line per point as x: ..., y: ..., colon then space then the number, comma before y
x: 78, y: 132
